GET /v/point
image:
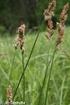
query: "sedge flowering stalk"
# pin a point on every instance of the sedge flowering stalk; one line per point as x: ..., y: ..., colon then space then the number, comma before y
x: 20, y: 44
x: 63, y: 18
x: 26, y: 65
x: 50, y: 18
x: 20, y: 37
x: 61, y: 24
x: 9, y: 95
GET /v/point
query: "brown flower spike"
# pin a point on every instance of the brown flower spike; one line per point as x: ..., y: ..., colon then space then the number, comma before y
x: 20, y: 37
x: 48, y: 17
x: 61, y: 25
x: 9, y: 95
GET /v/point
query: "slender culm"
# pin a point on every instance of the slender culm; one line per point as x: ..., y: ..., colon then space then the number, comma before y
x: 26, y: 65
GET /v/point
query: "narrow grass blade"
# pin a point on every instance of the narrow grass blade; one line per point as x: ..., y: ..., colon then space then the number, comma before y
x: 26, y: 65
x: 49, y: 76
x: 62, y: 88
x: 23, y: 80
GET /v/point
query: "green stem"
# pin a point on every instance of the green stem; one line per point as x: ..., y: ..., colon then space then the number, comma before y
x: 62, y: 89
x: 50, y: 71
x: 26, y: 66
x: 23, y: 82
x: 43, y: 84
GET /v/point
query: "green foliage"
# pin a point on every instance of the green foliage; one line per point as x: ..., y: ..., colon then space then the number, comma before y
x: 2, y: 29
x: 58, y: 92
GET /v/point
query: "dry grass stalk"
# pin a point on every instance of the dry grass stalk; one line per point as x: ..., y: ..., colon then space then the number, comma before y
x: 61, y: 25
x: 49, y: 18
x: 9, y: 95
x: 20, y: 37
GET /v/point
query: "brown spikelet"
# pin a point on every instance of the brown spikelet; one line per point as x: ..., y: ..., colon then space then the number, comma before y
x: 20, y: 37
x: 63, y: 15
x: 61, y: 25
x: 52, y: 5
x: 48, y: 14
x: 9, y: 95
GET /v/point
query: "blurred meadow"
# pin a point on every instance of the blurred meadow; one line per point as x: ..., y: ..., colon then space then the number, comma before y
x: 11, y: 69
x: 46, y: 80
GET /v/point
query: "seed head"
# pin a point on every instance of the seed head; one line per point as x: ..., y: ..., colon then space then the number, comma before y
x: 20, y: 37
x: 61, y: 25
x: 9, y: 95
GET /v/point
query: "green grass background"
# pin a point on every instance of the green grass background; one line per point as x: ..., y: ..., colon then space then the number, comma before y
x: 11, y: 69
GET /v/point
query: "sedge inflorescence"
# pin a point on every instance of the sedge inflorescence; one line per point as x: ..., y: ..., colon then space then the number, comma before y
x: 49, y: 18
x: 9, y: 95
x: 20, y: 37
x: 61, y: 25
